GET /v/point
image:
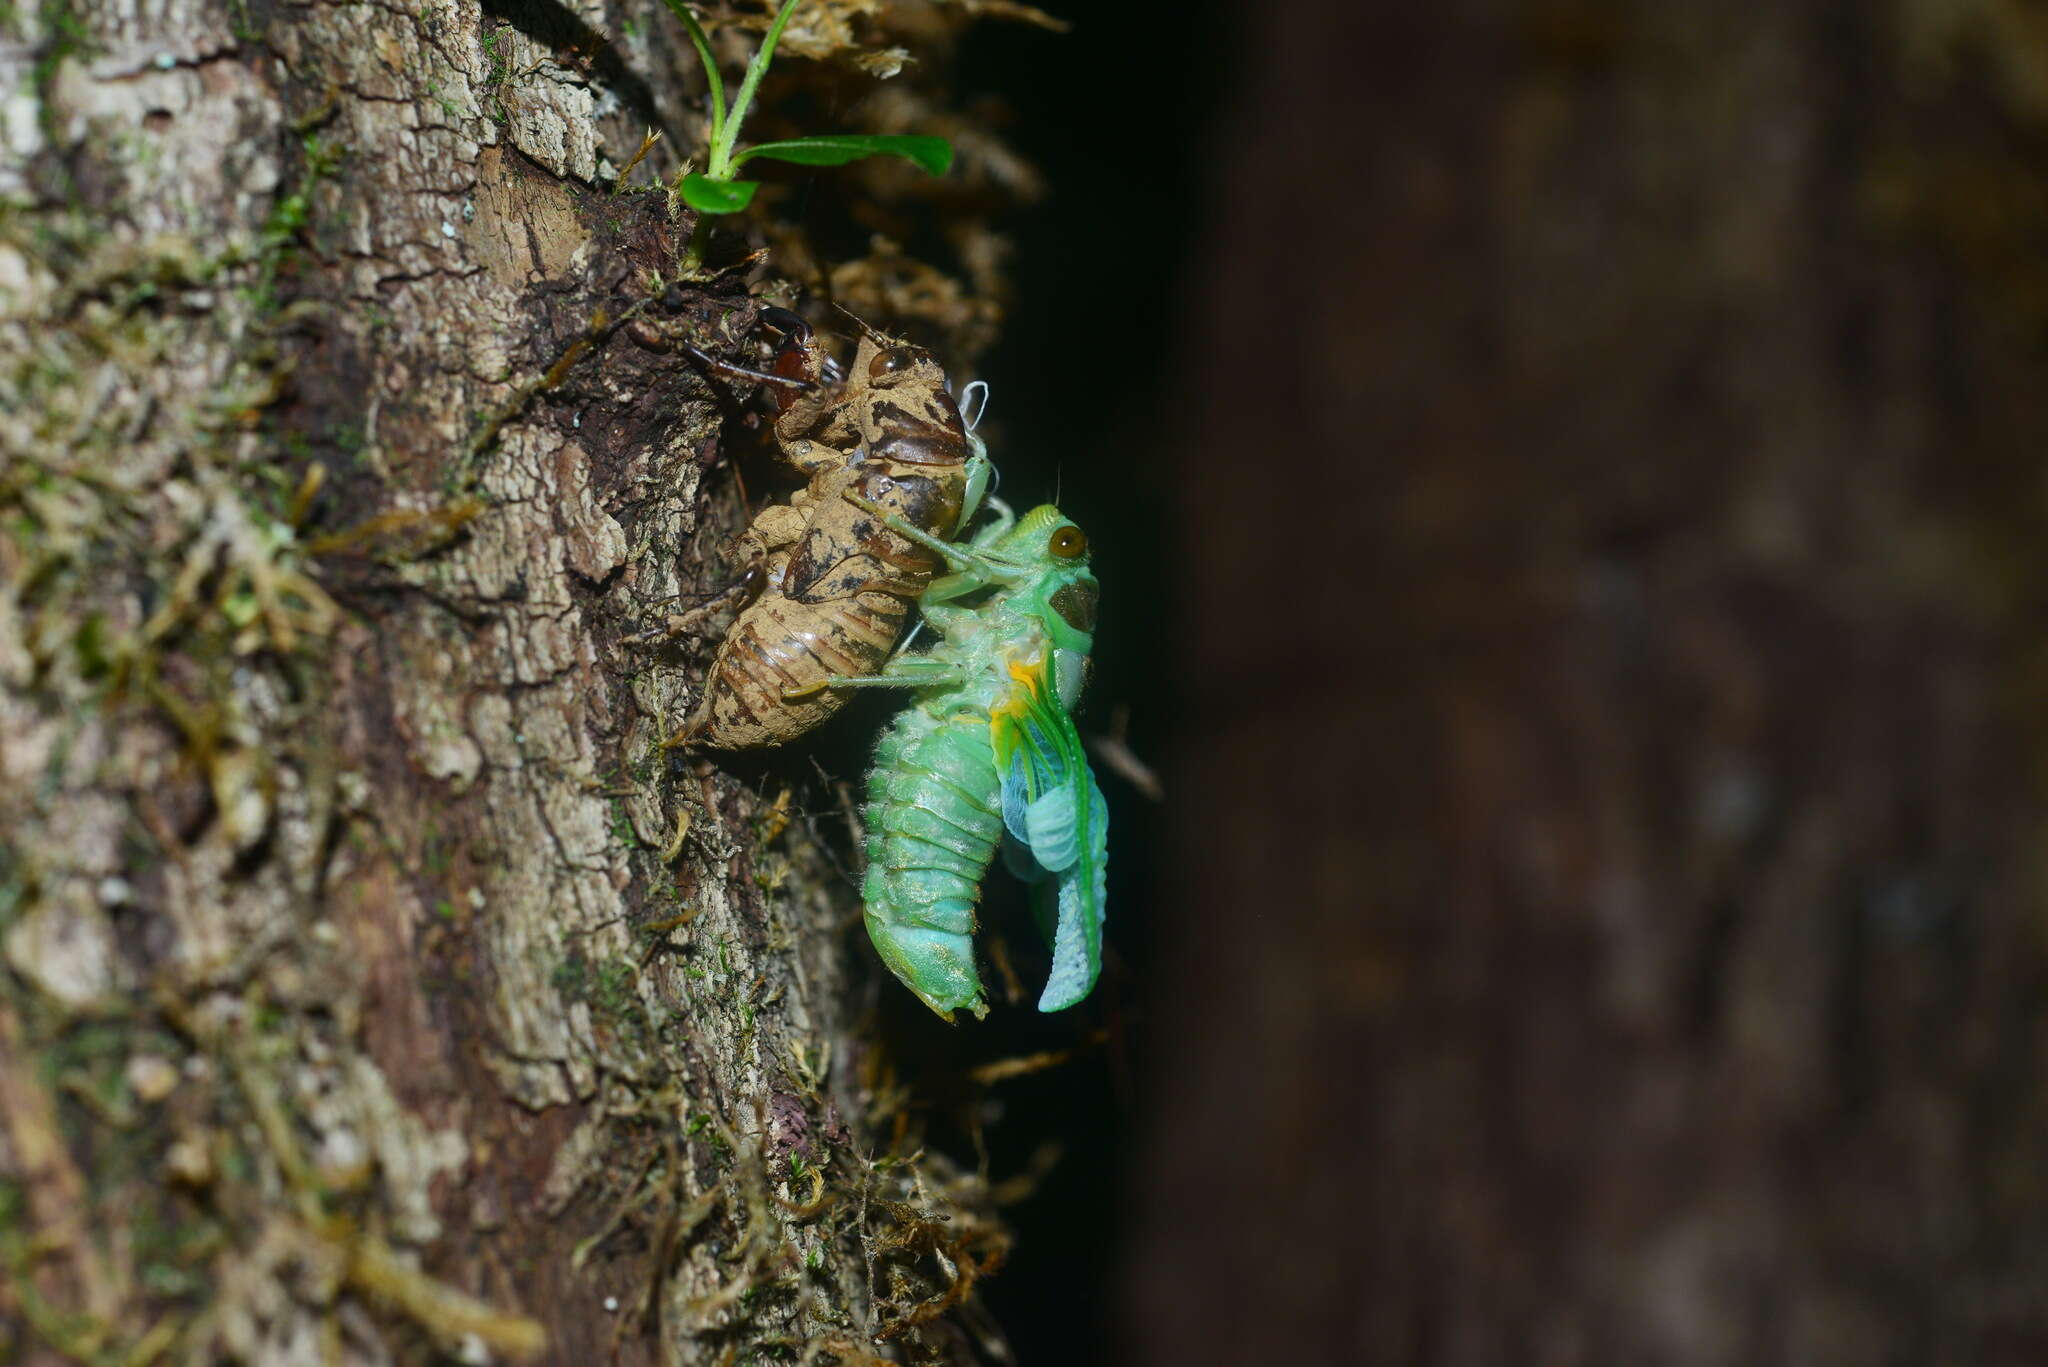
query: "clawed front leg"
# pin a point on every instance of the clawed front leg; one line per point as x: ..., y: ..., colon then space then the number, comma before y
x: 744, y: 589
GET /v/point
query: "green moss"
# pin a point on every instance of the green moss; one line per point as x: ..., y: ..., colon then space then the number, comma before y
x: 64, y: 36
x: 570, y: 976
x: 606, y: 985
x: 497, y: 73
x: 436, y: 852
x: 14, y: 885
x: 622, y: 825
x: 611, y: 985
x: 448, y: 107
x: 173, y: 1248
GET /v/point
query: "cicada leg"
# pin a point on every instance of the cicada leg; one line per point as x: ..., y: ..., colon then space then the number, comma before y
x: 948, y: 621
x: 1000, y: 520
x: 967, y: 561
x: 773, y: 529
x: 693, y: 725
x: 729, y: 370
x: 902, y: 671
x: 947, y: 587
x: 797, y: 361
x: 745, y: 589
x: 981, y: 479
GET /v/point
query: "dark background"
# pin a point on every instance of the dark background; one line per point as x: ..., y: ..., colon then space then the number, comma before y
x: 1567, y: 484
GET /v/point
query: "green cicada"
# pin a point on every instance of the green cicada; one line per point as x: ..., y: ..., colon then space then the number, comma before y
x: 988, y: 756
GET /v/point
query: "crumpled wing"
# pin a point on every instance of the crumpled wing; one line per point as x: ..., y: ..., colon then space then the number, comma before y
x: 1057, y: 822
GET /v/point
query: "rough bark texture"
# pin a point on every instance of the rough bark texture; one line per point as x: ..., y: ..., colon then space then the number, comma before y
x: 375, y: 985
x: 1607, y: 917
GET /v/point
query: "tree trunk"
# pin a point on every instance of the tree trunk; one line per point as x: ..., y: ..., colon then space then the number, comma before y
x: 376, y: 984
x: 1605, y: 923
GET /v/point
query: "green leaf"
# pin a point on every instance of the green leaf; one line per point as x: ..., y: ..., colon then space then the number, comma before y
x: 935, y: 155
x: 708, y: 196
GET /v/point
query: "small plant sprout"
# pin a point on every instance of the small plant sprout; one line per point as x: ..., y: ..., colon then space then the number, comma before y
x: 717, y: 190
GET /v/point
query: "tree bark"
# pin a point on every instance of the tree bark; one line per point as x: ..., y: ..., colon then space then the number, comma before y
x: 376, y: 985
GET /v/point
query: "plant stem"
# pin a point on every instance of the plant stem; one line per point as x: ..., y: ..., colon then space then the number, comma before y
x: 700, y: 236
x: 722, y: 142
x: 702, y: 42
x: 725, y: 124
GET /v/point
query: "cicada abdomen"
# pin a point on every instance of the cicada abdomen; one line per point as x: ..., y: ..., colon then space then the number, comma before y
x: 837, y: 584
x: 934, y: 822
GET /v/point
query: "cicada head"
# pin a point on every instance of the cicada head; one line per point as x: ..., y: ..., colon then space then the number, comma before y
x: 1063, y: 593
x: 905, y: 412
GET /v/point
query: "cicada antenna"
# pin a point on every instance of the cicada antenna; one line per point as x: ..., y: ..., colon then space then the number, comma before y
x: 878, y: 338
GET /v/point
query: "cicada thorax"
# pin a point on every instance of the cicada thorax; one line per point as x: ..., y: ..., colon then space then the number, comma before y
x: 846, y: 549
x: 840, y: 588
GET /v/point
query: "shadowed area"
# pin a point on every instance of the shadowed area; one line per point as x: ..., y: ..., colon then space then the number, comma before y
x: 568, y: 35
x: 1600, y: 916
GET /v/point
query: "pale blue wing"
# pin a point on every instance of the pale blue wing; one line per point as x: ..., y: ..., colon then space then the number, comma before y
x: 1053, y: 809
x: 1052, y: 828
x: 1077, y: 939
x: 1016, y: 797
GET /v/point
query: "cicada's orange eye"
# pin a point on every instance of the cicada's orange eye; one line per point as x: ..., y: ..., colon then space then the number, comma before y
x: 1068, y: 543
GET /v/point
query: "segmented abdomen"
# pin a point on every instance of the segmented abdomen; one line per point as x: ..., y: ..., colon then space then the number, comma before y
x: 934, y: 820
x: 781, y: 642
x: 838, y: 605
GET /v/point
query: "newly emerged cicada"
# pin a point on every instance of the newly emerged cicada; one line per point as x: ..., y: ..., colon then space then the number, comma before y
x: 988, y: 755
x: 835, y: 582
